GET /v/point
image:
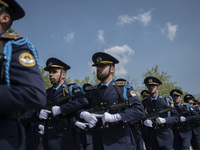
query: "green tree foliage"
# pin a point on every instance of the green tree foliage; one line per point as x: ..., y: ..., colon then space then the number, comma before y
x: 167, y: 85
x: 86, y: 80
x: 45, y: 76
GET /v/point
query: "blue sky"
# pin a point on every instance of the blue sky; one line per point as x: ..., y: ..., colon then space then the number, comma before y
x: 140, y: 33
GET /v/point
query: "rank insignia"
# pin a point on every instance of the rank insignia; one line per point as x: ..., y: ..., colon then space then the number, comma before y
x: 132, y: 93
x: 26, y: 59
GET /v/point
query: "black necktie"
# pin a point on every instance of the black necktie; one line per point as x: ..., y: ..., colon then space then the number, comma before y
x: 102, y: 89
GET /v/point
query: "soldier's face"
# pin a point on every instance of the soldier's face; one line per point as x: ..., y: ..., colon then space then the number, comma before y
x: 177, y: 99
x: 103, y: 71
x: 152, y: 88
x: 54, y: 75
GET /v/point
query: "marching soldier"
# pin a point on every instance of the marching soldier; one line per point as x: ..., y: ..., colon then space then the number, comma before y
x: 159, y: 133
x: 182, y: 130
x: 195, y: 142
x: 66, y: 99
x: 137, y: 127
x: 111, y: 128
x: 21, y: 83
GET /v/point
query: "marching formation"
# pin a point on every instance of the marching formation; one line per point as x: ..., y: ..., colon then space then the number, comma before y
x: 67, y: 116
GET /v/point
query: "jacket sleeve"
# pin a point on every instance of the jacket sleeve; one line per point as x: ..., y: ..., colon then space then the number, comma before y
x: 26, y: 89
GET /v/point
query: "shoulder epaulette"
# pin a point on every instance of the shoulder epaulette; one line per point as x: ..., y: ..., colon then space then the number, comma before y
x: 165, y: 96
x: 68, y: 84
x: 90, y: 88
x: 121, y: 82
x: 11, y: 36
x: 185, y: 104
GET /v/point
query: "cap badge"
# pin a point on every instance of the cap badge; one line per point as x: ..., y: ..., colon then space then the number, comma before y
x: 150, y: 80
x: 50, y: 64
x: 99, y: 59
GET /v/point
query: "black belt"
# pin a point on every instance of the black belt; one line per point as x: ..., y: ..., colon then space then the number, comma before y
x: 10, y: 116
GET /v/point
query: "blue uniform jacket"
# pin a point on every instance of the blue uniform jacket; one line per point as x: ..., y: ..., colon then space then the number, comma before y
x: 26, y: 91
x: 184, y: 129
x: 59, y: 130
x: 164, y: 134
x: 117, y: 136
x: 196, y: 123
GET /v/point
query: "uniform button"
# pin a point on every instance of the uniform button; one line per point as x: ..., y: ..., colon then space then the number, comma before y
x: 125, y: 121
x: 65, y: 128
x: 63, y: 113
x: 101, y: 127
x: 49, y: 128
x: 101, y: 103
x: 122, y: 126
x: 114, y: 103
x: 49, y: 118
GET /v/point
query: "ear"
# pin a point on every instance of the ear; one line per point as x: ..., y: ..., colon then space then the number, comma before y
x: 112, y: 69
x: 4, y: 18
x: 64, y: 75
x: 158, y: 87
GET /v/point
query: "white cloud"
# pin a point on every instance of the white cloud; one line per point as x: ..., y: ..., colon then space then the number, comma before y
x: 171, y: 30
x: 69, y: 37
x: 100, y: 37
x: 144, y: 18
x: 125, y: 19
x: 122, y: 53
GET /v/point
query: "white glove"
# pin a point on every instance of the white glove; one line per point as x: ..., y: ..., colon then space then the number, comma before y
x: 182, y: 119
x: 56, y: 110
x: 107, y: 117
x: 90, y: 118
x: 41, y: 129
x: 44, y: 114
x: 148, y: 123
x: 161, y: 120
x: 81, y: 125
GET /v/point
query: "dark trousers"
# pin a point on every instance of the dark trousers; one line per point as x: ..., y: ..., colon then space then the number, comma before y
x: 195, y: 142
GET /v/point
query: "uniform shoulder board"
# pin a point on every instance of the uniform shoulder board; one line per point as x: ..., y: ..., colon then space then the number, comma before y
x: 11, y: 36
x: 90, y: 88
x: 165, y: 96
x: 121, y: 82
x: 69, y: 84
x: 185, y: 104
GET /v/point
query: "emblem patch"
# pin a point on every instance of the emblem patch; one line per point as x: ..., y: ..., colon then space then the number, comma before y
x: 132, y: 93
x: 26, y: 59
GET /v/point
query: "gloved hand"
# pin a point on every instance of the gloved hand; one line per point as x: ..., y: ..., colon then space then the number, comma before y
x: 161, y: 120
x: 148, y: 123
x: 81, y: 125
x: 107, y: 117
x: 44, y: 114
x: 56, y: 110
x: 41, y: 129
x: 90, y: 118
x: 182, y: 119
